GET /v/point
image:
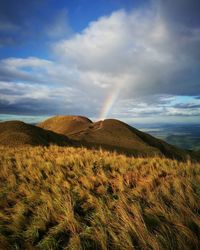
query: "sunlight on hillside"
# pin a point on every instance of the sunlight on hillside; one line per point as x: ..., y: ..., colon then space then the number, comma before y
x: 66, y: 198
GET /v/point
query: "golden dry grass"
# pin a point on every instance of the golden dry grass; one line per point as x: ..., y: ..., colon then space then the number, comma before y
x: 75, y: 198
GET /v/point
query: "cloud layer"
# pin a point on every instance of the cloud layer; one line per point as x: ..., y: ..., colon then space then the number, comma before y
x: 147, y: 58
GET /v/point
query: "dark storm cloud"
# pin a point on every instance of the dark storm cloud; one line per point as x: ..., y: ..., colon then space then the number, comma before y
x: 183, y: 20
x: 185, y: 12
x: 41, y: 107
x: 27, y: 106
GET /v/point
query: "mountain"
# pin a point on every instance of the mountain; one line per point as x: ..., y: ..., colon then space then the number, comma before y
x: 17, y: 133
x: 66, y: 124
x: 111, y: 134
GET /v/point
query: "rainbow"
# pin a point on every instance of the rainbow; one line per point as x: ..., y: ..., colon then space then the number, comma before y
x: 109, y: 102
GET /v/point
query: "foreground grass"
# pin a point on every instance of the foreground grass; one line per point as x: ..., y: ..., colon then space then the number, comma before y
x: 66, y: 198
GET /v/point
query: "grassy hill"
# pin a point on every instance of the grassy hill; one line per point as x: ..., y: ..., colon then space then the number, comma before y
x: 16, y: 133
x: 75, y: 198
x: 66, y: 124
x: 112, y: 134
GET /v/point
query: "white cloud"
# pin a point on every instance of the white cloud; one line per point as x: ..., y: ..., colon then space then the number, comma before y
x: 25, y: 62
x: 157, y: 106
x: 17, y: 91
x: 137, y: 48
x: 36, y: 70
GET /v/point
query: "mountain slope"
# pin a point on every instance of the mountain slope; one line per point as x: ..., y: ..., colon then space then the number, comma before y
x: 16, y: 133
x: 112, y: 134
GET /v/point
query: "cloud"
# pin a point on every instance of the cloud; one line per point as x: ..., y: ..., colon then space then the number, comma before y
x: 144, y: 59
x: 36, y: 70
x: 139, y: 49
x: 184, y: 12
x: 27, y: 98
x: 22, y: 69
x: 157, y: 109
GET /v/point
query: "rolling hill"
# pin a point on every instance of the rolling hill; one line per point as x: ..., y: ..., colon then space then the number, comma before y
x: 17, y: 133
x: 66, y: 124
x: 111, y: 134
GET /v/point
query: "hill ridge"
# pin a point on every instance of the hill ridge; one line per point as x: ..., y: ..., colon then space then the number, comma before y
x: 16, y: 133
x: 79, y: 131
x: 112, y: 134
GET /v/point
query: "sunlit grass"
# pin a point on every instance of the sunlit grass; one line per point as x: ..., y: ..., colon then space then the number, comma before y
x: 74, y: 198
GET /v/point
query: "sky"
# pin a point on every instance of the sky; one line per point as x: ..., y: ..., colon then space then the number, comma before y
x: 134, y: 60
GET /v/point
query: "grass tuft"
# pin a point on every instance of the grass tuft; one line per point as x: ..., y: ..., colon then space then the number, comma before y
x: 75, y: 198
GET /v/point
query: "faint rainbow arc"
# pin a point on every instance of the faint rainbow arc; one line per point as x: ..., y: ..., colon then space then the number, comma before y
x: 109, y: 102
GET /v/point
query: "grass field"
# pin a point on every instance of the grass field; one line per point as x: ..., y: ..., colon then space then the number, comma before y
x: 75, y: 198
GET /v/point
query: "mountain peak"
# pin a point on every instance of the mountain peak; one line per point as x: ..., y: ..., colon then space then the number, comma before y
x: 111, y: 134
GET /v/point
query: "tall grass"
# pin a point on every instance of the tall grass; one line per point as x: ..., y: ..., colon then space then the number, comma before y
x: 65, y: 198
